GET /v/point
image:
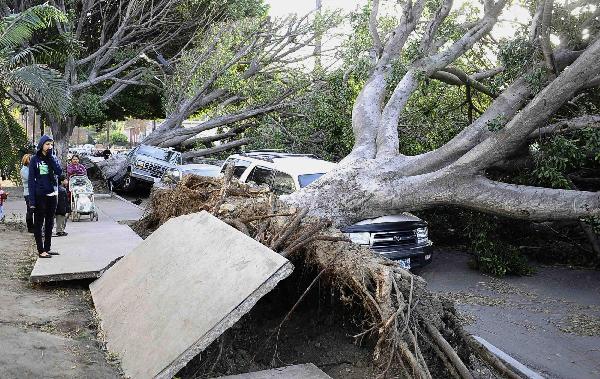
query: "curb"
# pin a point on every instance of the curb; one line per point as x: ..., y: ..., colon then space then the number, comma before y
x: 127, y: 201
x: 520, y: 368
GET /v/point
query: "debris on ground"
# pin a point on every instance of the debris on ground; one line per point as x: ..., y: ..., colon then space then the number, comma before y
x: 581, y: 324
x: 413, y: 332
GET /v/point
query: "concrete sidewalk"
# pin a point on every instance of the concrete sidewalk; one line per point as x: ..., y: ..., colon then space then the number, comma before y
x: 44, y: 331
x: 91, y: 247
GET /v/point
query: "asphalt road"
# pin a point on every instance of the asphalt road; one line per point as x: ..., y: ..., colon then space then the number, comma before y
x: 549, y: 321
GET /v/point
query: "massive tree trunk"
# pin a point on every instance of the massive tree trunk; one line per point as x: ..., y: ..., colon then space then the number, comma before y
x: 62, y: 129
x: 376, y: 180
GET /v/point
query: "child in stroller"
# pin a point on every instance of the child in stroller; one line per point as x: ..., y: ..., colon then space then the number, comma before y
x: 82, y: 198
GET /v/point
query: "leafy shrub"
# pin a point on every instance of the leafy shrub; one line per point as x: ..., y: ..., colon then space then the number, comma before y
x: 492, y: 255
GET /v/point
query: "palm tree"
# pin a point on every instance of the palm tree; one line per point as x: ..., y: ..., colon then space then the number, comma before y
x: 23, y: 79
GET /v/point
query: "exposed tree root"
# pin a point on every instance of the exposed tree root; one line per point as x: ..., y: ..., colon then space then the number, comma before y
x: 415, y: 333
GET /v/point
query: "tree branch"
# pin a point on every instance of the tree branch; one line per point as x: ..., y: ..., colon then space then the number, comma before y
x: 456, y: 76
x: 387, y: 134
x: 180, y: 135
x: 577, y: 123
x: 524, y: 202
x: 216, y: 149
x: 545, y: 38
x: 377, y: 45
x: 505, y: 141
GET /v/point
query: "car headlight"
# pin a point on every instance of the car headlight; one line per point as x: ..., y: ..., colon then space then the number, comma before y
x: 422, y: 235
x: 139, y: 164
x: 362, y: 238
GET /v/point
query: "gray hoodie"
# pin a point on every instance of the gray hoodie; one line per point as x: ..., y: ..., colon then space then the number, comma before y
x: 24, y: 180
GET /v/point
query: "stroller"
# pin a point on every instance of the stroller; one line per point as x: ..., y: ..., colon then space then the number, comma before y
x: 82, y: 198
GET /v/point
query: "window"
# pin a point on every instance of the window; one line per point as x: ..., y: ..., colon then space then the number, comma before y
x: 240, y: 166
x: 279, y: 182
x: 282, y: 183
x: 260, y: 176
x: 158, y: 153
x: 306, y: 179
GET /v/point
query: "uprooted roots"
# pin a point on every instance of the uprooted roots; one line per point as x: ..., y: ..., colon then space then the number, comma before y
x: 417, y: 333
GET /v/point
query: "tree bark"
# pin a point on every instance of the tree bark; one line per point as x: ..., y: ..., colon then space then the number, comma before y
x: 62, y: 129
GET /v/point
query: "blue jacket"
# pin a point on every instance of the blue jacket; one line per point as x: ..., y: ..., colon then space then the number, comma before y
x: 43, y: 172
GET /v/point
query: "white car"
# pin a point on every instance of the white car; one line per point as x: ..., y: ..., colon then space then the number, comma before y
x: 284, y: 173
x: 402, y: 237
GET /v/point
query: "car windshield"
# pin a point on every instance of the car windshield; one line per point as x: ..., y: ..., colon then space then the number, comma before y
x: 306, y: 179
x: 155, y: 152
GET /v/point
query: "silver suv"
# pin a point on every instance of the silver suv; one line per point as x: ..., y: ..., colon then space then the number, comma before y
x: 403, y: 238
x: 147, y: 164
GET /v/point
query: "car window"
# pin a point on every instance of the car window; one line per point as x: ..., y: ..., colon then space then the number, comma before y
x: 282, y: 183
x: 240, y: 166
x: 278, y: 182
x: 260, y: 175
x: 306, y: 179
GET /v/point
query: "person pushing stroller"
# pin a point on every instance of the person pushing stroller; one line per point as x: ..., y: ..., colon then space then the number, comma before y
x: 75, y: 168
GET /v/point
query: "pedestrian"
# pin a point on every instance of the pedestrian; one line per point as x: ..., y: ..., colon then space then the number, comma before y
x: 75, y: 168
x: 43, y: 191
x: 106, y: 153
x: 24, y: 179
x: 3, y: 197
x: 63, y: 207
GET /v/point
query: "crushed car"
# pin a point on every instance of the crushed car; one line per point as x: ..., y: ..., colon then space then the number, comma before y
x: 403, y: 238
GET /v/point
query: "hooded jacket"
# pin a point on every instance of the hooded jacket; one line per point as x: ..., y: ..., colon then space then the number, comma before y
x: 43, y: 170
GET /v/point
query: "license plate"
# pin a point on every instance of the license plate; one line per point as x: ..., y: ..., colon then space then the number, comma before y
x: 404, y: 263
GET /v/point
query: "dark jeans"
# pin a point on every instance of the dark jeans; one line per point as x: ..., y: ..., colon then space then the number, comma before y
x: 45, y: 207
x: 29, y: 216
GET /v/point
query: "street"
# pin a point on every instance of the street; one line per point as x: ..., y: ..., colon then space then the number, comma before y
x: 549, y: 321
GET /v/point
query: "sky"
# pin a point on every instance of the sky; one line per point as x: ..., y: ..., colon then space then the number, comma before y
x: 506, y: 26
x: 283, y: 7
x: 280, y: 8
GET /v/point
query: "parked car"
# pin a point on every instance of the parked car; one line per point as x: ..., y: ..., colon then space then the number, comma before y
x: 173, y: 175
x: 403, y: 238
x: 145, y: 165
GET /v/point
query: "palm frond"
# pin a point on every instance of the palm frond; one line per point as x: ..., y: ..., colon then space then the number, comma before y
x: 42, y: 84
x: 17, y: 29
x: 39, y: 53
x: 13, y: 141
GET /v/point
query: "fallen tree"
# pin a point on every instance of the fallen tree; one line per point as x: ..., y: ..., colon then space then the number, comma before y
x: 235, y: 72
x: 415, y: 333
x: 375, y: 179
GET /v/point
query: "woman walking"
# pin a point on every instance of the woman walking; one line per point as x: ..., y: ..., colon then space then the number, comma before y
x: 43, y: 191
x: 25, y: 180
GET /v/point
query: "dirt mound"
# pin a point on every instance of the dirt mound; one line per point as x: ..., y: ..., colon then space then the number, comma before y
x: 413, y: 333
